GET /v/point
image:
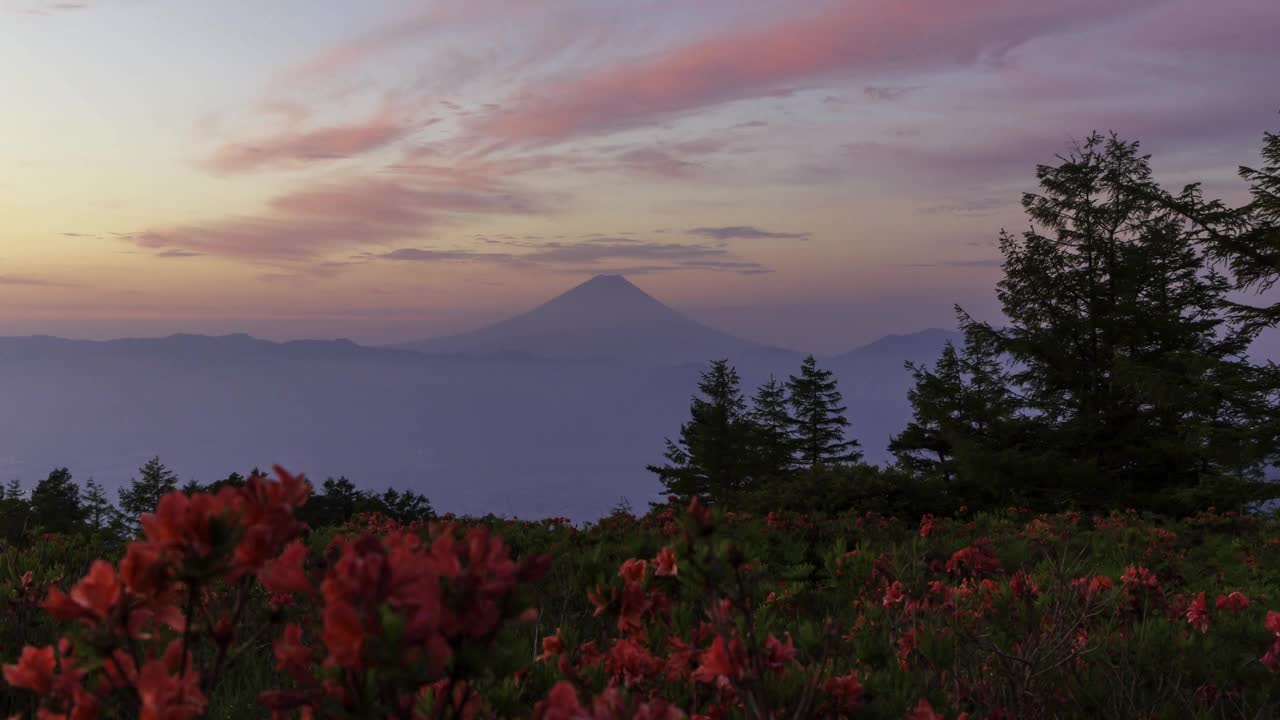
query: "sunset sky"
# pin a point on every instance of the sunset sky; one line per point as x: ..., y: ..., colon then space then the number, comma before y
x: 809, y: 172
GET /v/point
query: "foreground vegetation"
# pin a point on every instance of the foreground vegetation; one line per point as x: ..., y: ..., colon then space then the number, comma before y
x: 229, y: 607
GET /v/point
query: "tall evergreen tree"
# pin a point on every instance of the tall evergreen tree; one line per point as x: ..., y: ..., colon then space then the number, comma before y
x: 55, y: 503
x: 959, y: 407
x: 711, y: 458
x: 818, y: 418
x: 143, y: 494
x: 1246, y: 240
x: 927, y: 443
x: 99, y: 513
x: 773, y: 443
x: 15, y: 511
x: 1128, y: 367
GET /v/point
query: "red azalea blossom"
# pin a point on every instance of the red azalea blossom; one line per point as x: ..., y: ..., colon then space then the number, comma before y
x: 845, y: 690
x: 632, y: 571
x: 34, y: 670
x: 284, y: 575
x: 923, y: 711
x: 666, y: 563
x: 894, y: 595
x: 1198, y: 614
x: 779, y: 654
x: 718, y: 665
x: 1236, y: 602
x: 552, y: 645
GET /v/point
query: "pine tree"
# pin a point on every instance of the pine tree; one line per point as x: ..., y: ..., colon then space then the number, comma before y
x: 15, y: 511
x: 960, y: 408
x: 143, y: 494
x: 926, y: 445
x: 55, y: 503
x: 1246, y: 240
x: 773, y: 444
x: 819, y: 419
x: 711, y: 459
x: 100, y: 514
x: 1128, y: 368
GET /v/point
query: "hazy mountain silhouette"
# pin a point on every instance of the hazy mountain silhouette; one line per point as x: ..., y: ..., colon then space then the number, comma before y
x: 606, y: 318
x: 554, y: 412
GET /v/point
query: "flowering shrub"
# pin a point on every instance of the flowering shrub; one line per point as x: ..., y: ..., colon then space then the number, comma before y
x: 227, y: 606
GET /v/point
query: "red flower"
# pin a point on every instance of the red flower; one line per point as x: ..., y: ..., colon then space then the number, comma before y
x: 666, y: 563
x: 926, y: 525
x: 93, y: 597
x: 144, y: 569
x: 165, y: 697
x: 629, y: 661
x: 343, y: 634
x: 779, y: 654
x: 284, y: 575
x: 976, y: 560
x: 845, y: 690
x: 1198, y: 614
x: 923, y: 711
x: 1236, y: 602
x: 632, y: 571
x: 717, y: 665
x: 552, y: 645
x: 560, y: 704
x: 894, y: 595
x: 1024, y: 586
x: 1272, y: 622
x: 292, y: 655
x: 1137, y: 577
x: 34, y: 670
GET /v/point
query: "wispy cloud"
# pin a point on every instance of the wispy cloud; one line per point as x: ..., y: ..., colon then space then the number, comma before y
x: 597, y: 254
x: 298, y: 147
x: 846, y: 39
x: 325, y: 217
x: 745, y: 232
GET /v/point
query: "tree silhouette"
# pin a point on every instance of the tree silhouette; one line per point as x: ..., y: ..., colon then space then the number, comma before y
x: 773, y: 443
x: 100, y: 515
x: 55, y: 503
x: 711, y: 458
x: 144, y: 493
x: 819, y: 419
x: 1126, y: 361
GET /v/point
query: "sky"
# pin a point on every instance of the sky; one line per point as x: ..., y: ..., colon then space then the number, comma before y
x: 810, y: 173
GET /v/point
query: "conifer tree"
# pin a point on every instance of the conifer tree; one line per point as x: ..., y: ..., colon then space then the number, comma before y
x: 15, y: 511
x: 55, y: 503
x: 773, y: 443
x: 959, y: 407
x: 711, y: 459
x: 1128, y: 365
x: 818, y: 418
x: 100, y: 514
x: 143, y: 494
x: 1246, y: 240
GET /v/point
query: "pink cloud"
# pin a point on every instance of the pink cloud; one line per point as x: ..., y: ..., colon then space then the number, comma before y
x: 296, y: 147
x: 847, y: 38
x: 323, y: 218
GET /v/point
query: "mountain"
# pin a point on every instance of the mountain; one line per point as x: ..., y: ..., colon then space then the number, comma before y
x: 604, y: 318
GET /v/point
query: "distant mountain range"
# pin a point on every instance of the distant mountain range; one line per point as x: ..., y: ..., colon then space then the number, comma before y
x: 554, y: 412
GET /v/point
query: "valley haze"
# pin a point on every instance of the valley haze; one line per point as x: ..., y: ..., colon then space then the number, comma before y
x: 555, y: 412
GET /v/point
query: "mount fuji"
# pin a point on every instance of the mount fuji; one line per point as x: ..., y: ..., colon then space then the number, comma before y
x: 604, y: 318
